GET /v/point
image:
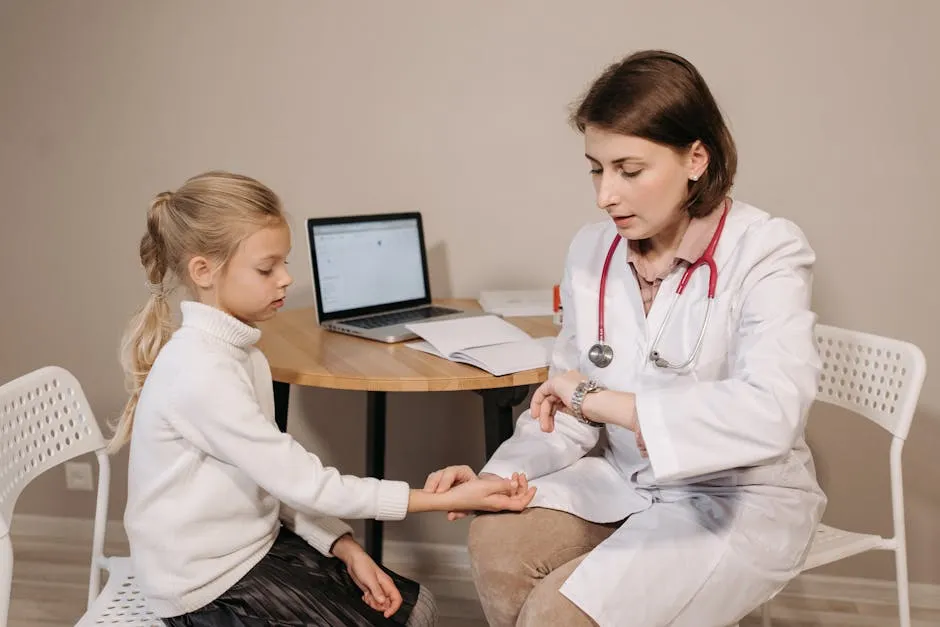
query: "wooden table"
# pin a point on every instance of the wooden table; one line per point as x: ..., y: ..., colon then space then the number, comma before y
x: 302, y: 353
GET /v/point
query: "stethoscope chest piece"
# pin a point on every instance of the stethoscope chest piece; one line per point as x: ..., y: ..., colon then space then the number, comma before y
x: 601, y: 355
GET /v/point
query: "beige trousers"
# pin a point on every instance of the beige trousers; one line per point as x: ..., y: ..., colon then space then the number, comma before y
x: 519, y: 562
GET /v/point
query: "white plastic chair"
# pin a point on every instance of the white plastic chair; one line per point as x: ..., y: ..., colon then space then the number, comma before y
x: 45, y: 420
x: 879, y: 379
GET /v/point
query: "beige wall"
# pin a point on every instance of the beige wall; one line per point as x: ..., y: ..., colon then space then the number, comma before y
x: 458, y: 110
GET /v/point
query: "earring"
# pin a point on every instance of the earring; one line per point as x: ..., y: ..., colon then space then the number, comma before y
x: 694, y: 177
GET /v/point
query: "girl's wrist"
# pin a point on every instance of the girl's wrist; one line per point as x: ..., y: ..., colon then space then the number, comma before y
x: 421, y: 501
x: 345, y: 548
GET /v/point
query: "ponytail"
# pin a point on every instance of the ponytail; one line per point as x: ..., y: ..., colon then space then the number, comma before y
x: 151, y: 326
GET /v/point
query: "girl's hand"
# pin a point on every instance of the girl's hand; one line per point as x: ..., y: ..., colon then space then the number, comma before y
x: 553, y: 395
x: 491, y: 495
x: 378, y: 589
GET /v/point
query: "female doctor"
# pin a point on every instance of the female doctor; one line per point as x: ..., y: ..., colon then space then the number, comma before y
x: 674, y: 483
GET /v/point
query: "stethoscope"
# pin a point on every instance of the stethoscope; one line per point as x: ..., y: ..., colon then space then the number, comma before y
x: 601, y: 354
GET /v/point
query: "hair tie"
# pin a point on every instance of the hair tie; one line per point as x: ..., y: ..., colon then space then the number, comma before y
x: 157, y: 290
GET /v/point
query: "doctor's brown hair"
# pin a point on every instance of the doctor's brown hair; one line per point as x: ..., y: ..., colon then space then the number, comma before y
x: 661, y: 97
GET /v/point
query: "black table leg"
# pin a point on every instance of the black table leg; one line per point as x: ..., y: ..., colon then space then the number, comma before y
x: 375, y: 464
x: 497, y: 414
x: 281, y: 398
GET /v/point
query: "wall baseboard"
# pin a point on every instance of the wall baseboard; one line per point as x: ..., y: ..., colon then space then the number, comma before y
x: 445, y: 568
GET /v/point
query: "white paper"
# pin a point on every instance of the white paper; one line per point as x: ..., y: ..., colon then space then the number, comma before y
x: 450, y: 336
x: 499, y: 359
x: 518, y: 302
x: 487, y: 342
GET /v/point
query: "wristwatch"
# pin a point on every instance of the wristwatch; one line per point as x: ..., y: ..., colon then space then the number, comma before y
x: 577, y: 399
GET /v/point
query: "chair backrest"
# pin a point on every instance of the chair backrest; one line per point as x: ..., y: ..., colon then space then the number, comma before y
x: 877, y: 377
x: 45, y: 420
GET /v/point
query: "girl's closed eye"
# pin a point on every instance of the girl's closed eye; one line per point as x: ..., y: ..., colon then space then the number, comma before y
x: 629, y: 174
x: 265, y: 271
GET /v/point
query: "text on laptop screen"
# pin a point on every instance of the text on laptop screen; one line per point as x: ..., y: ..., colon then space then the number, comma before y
x: 363, y: 264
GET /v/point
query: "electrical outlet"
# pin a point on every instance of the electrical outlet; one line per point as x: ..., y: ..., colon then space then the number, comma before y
x: 78, y: 476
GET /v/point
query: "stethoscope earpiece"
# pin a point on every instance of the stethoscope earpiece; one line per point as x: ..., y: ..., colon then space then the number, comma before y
x: 658, y: 361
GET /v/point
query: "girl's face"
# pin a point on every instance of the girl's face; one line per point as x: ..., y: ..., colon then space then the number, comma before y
x: 641, y: 185
x: 254, y: 282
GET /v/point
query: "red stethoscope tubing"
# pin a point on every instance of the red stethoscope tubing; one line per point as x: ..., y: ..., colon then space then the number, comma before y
x: 707, y: 258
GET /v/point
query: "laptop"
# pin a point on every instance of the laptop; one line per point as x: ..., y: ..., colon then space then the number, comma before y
x: 370, y: 275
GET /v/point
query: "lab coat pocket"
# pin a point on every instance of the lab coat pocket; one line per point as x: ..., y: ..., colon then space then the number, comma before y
x: 581, y: 315
x: 623, y: 325
x: 713, y: 358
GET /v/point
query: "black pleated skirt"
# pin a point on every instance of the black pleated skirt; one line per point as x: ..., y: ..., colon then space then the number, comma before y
x: 295, y: 585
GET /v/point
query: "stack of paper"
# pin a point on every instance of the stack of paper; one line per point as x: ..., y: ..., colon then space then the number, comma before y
x: 487, y: 342
x: 517, y: 302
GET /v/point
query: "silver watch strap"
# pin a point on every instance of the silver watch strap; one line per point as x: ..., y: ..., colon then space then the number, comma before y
x: 577, y: 399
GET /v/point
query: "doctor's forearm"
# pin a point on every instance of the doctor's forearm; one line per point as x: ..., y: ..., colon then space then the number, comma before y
x: 614, y: 408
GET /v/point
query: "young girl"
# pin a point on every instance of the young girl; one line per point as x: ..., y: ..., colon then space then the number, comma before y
x: 211, y: 478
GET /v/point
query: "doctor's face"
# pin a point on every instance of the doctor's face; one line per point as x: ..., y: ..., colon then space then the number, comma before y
x: 641, y: 185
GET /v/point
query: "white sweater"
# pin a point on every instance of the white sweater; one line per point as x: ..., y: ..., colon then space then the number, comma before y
x: 210, y: 473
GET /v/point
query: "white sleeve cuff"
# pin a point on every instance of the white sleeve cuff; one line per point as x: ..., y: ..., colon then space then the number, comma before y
x: 324, y: 533
x: 500, y: 468
x: 320, y: 533
x: 659, y: 446
x: 392, y: 500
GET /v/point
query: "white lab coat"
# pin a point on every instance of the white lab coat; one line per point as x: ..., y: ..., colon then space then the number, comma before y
x: 721, y: 514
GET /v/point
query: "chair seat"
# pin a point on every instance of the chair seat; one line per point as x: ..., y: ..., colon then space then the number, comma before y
x: 832, y: 544
x: 120, y: 603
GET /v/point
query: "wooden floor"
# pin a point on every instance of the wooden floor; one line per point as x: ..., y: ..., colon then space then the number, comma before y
x: 50, y: 583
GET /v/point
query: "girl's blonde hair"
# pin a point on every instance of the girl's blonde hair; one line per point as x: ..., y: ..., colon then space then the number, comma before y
x: 209, y: 216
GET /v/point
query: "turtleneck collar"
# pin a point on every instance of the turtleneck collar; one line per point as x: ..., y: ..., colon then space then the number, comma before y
x: 218, y: 324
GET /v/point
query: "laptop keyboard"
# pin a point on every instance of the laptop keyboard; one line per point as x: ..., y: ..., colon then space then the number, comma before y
x: 400, y: 317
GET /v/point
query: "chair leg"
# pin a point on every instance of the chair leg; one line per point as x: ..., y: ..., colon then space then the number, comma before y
x: 765, y: 615
x: 6, y: 576
x: 904, y: 593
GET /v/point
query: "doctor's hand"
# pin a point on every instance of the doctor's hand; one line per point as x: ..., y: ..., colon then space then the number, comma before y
x: 603, y: 406
x: 491, y: 495
x: 553, y: 395
x: 444, y: 479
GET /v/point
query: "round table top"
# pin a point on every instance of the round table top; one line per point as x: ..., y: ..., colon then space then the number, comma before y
x: 302, y: 353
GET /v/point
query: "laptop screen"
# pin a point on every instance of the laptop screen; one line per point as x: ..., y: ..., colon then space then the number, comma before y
x: 367, y: 263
